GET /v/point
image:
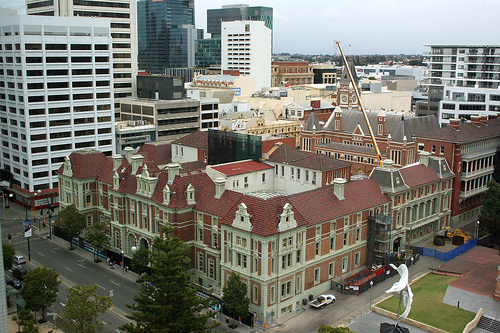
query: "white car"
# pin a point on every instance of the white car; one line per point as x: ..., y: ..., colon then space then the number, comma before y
x: 19, y: 259
x: 322, y: 301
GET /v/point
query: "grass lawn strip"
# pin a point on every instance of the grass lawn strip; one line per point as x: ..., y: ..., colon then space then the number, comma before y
x: 428, y: 306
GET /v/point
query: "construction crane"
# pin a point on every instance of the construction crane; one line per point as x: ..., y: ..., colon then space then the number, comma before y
x: 358, y: 95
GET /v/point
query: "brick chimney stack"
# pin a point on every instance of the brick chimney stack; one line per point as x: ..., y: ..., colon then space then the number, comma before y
x: 484, y: 119
x: 455, y: 123
x: 475, y: 120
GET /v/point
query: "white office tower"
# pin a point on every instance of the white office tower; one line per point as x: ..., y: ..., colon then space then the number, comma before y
x: 55, y: 94
x: 123, y: 17
x: 246, y: 47
x: 463, y: 81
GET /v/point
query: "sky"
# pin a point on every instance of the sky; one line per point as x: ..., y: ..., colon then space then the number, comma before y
x: 369, y: 26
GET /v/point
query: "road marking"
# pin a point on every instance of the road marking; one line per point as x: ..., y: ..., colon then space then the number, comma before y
x: 40, y: 254
x: 81, y: 266
x: 114, y: 282
x: 62, y: 303
x: 104, y: 323
x: 68, y: 269
x: 81, y: 260
x: 101, y: 286
x: 53, y: 251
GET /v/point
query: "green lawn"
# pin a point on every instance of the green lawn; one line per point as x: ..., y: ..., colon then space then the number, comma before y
x: 427, y: 306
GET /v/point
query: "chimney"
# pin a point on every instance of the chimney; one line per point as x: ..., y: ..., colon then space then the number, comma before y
x: 455, y: 123
x: 475, y: 120
x: 128, y: 153
x: 173, y: 170
x: 424, y: 158
x: 484, y: 119
x: 498, y: 115
x: 136, y: 163
x: 220, y: 187
x: 117, y: 161
x: 338, y: 188
x: 316, y: 104
x: 387, y: 163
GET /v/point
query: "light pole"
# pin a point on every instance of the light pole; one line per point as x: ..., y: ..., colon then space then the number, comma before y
x: 371, y: 285
x: 134, y: 248
x: 34, y: 204
x: 411, y: 259
x: 7, y: 206
x: 123, y: 264
x: 476, y: 229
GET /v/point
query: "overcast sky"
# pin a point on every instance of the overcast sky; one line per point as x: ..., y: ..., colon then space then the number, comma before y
x: 370, y: 26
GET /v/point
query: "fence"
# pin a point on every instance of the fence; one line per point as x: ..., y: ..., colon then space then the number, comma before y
x: 445, y: 256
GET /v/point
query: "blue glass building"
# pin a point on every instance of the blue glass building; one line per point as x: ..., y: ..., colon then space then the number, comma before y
x: 166, y: 34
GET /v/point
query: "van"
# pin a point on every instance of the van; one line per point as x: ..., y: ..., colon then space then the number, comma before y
x: 19, y: 259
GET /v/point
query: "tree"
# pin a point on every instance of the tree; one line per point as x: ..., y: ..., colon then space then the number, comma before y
x: 235, y: 296
x: 71, y: 222
x: 40, y: 289
x: 167, y: 301
x: 490, y: 214
x: 323, y: 328
x: 97, y: 236
x: 82, y: 308
x: 8, y: 255
x: 27, y: 321
x: 140, y: 260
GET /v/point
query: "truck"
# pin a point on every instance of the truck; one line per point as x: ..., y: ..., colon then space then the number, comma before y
x: 322, y: 301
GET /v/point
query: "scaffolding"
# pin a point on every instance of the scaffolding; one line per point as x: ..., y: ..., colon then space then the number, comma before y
x: 379, y: 240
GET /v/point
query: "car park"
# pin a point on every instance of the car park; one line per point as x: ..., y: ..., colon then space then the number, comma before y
x: 16, y: 283
x: 19, y: 259
x: 19, y: 272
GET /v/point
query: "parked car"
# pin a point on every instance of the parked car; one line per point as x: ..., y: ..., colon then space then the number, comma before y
x: 19, y: 259
x: 18, y: 284
x: 322, y: 301
x: 19, y: 272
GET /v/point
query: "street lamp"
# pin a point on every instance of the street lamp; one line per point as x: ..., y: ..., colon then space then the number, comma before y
x: 123, y: 264
x: 476, y: 229
x: 371, y: 285
x: 411, y: 259
x: 5, y: 205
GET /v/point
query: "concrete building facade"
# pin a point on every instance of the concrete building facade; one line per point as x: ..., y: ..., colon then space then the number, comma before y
x: 122, y: 15
x: 55, y: 95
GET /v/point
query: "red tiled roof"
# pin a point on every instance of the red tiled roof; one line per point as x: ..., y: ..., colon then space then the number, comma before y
x: 287, y: 154
x: 88, y: 164
x: 321, y: 162
x: 238, y: 168
x: 467, y: 132
x: 192, y: 166
x: 158, y: 152
x: 322, y: 205
x: 418, y: 174
x: 197, y: 140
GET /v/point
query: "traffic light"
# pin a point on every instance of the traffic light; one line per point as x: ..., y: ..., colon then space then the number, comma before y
x: 9, y: 236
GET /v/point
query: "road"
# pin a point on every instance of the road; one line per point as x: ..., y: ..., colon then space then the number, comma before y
x: 75, y: 269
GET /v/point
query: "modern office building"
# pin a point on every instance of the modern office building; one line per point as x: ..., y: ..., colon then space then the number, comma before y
x: 230, y: 13
x: 166, y: 34
x: 122, y: 14
x: 208, y: 50
x: 55, y: 94
x: 160, y: 87
x: 246, y: 47
x: 462, y: 81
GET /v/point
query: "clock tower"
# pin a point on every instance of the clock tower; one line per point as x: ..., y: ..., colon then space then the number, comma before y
x: 346, y: 97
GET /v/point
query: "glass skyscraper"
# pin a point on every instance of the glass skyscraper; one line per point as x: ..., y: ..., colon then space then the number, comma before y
x: 166, y: 34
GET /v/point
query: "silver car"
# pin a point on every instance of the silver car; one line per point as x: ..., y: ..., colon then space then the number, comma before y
x: 19, y: 259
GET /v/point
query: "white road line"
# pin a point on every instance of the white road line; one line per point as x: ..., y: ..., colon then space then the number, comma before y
x: 81, y: 266
x: 114, y: 282
x: 68, y: 269
x: 40, y: 254
x: 104, y: 323
x: 53, y: 251
x: 81, y: 260
x: 62, y: 304
x: 101, y: 286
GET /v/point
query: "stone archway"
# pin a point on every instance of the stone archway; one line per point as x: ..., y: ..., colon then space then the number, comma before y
x: 144, y: 243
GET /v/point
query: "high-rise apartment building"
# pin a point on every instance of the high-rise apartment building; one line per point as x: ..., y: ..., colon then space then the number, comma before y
x: 246, y: 47
x: 122, y: 14
x: 463, y: 81
x: 55, y: 94
x: 166, y: 34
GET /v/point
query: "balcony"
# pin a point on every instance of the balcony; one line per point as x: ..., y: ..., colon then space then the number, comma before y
x: 470, y: 193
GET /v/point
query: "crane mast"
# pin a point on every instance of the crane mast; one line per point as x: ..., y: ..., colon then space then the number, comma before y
x: 358, y: 95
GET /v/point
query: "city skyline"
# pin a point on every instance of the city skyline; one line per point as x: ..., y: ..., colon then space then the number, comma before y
x: 377, y: 28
